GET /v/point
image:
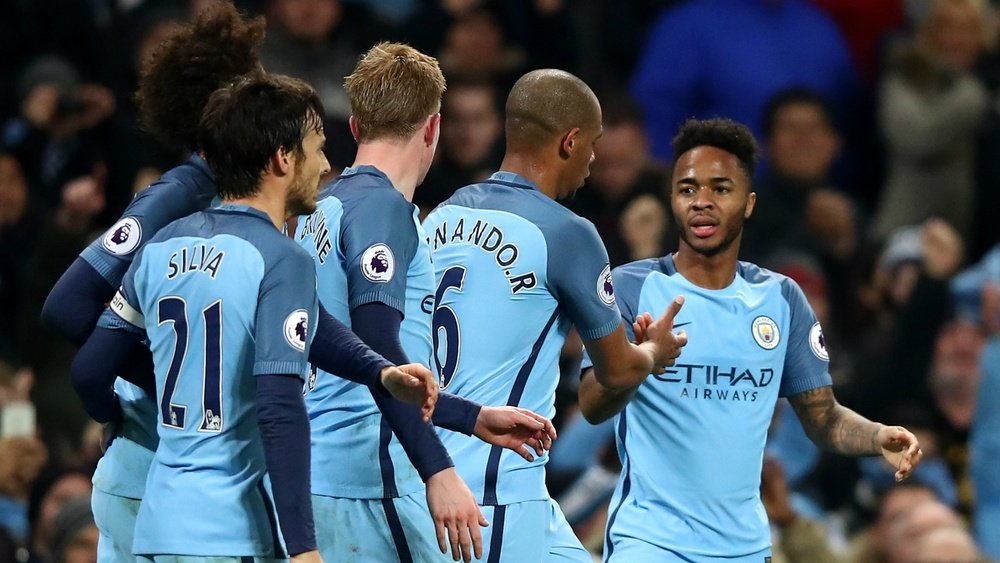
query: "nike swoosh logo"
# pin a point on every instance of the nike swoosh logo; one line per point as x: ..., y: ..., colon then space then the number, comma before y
x: 677, y: 325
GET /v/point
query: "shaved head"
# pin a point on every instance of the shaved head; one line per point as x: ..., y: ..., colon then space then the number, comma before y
x: 544, y: 104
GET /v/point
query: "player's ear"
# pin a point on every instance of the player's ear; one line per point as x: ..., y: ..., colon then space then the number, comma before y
x: 751, y: 202
x: 568, y: 143
x: 432, y: 129
x: 354, y: 128
x: 282, y: 162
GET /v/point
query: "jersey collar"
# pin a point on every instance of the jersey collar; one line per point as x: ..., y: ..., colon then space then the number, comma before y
x: 365, y: 169
x: 243, y: 209
x: 513, y: 180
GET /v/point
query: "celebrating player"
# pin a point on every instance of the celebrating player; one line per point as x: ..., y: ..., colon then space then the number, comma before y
x: 225, y: 301
x: 691, y: 439
x: 515, y: 271
x: 375, y: 273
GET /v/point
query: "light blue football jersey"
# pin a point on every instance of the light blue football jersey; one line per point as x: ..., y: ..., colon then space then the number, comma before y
x: 515, y: 272
x: 181, y: 191
x: 692, y: 440
x: 223, y: 297
x: 368, y: 247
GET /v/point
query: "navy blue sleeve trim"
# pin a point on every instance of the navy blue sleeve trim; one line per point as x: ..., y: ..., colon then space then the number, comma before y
x: 335, y: 349
x: 93, y: 371
x: 284, y: 430
x: 378, y: 325
x: 456, y: 414
x: 419, y: 440
x: 76, y: 302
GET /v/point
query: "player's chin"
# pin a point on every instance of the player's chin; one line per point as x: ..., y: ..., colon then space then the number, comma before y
x: 302, y: 206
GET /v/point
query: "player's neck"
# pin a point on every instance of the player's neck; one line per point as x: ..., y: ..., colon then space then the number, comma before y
x: 532, y: 169
x: 397, y: 161
x: 709, y: 272
x: 272, y: 204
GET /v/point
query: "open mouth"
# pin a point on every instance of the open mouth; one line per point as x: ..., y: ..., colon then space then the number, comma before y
x: 703, y: 227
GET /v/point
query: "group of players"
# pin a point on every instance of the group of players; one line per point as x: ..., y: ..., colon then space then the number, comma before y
x: 231, y: 291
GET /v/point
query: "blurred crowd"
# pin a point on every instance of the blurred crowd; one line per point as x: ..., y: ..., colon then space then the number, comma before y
x: 880, y: 196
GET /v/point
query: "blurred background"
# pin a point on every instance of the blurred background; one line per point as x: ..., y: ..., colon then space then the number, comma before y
x: 879, y: 194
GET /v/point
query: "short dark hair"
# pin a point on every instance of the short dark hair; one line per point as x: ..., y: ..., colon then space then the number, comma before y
x: 189, y: 65
x: 724, y: 134
x: 798, y: 95
x: 245, y: 123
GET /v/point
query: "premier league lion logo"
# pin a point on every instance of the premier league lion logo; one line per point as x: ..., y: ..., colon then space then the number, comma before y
x: 605, y: 287
x: 378, y: 264
x: 120, y: 236
x: 297, y: 329
x: 123, y: 237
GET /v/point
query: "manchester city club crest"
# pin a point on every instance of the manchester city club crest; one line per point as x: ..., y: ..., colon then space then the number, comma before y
x: 765, y: 332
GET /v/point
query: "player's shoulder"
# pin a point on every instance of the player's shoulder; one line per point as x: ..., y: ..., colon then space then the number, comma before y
x: 765, y: 279
x: 636, y: 271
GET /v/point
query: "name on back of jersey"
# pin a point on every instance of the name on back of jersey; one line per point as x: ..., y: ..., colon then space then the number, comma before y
x: 490, y: 239
x: 197, y: 258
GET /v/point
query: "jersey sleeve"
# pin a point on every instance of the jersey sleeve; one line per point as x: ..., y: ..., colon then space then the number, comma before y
x: 287, y: 312
x: 627, y: 281
x: 379, y: 241
x: 152, y: 209
x: 124, y: 311
x: 580, y: 275
x: 807, y: 363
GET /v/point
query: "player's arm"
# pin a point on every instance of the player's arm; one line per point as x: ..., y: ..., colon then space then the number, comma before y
x: 806, y: 383
x: 449, y: 499
x: 76, y: 302
x: 337, y: 349
x: 519, y: 430
x: 840, y: 430
x: 110, y: 346
x: 284, y: 431
x: 599, y: 402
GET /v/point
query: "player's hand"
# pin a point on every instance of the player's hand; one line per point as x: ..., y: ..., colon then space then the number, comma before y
x: 412, y: 383
x: 307, y: 557
x: 516, y: 429
x: 640, y: 326
x: 456, y: 514
x: 900, y: 448
x: 665, y: 343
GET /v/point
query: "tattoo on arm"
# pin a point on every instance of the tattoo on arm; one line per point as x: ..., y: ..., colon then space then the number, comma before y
x: 834, y: 427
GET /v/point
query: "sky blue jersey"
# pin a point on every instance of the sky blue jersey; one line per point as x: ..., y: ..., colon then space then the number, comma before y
x: 515, y: 270
x: 222, y: 297
x: 368, y: 247
x: 691, y: 440
x: 181, y: 191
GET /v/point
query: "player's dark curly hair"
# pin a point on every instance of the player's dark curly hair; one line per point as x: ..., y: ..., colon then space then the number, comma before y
x: 724, y: 134
x: 204, y: 55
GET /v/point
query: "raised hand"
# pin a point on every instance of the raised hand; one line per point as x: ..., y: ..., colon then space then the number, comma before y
x: 412, y: 383
x: 900, y: 448
x: 516, y: 429
x: 666, y: 345
x: 456, y: 515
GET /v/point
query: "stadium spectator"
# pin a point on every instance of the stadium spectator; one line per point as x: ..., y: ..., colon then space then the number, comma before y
x: 930, y: 107
x: 727, y: 58
x: 624, y: 170
x: 471, y: 143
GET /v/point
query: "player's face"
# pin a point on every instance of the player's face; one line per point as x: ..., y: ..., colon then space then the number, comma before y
x: 308, y: 169
x: 710, y: 199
